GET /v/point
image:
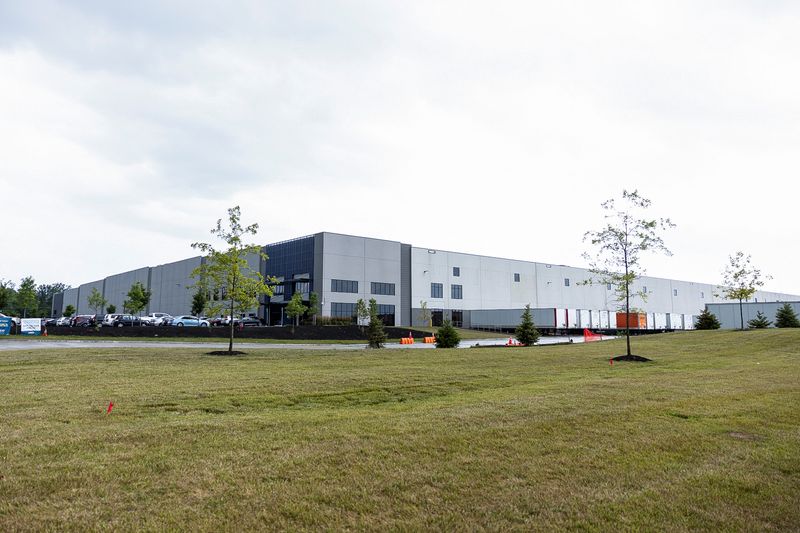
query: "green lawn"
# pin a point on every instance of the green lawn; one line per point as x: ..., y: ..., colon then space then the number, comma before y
x: 705, y: 437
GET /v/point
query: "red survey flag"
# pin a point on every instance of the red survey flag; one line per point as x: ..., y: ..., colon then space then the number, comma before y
x: 110, y: 407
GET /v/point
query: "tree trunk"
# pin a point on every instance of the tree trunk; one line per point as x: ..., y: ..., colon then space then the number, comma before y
x: 741, y: 313
x: 230, y: 331
x: 627, y: 306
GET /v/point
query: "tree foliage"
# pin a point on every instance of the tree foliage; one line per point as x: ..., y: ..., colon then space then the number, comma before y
x: 425, y: 313
x: 526, y: 333
x: 111, y: 309
x: 620, y: 245
x: 138, y: 298
x: 44, y: 296
x: 785, y: 317
x: 313, y: 306
x: 362, y: 312
x: 227, y: 270
x: 69, y: 310
x: 447, y: 336
x: 295, y: 308
x: 7, y: 294
x: 706, y: 320
x: 96, y: 301
x: 740, y: 280
x: 376, y: 336
x: 26, y: 296
x: 759, y: 322
x: 199, y: 301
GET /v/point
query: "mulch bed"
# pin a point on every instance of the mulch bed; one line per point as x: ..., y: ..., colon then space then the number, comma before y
x: 636, y: 358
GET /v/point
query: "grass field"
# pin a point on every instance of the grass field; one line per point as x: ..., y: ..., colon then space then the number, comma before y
x: 705, y: 437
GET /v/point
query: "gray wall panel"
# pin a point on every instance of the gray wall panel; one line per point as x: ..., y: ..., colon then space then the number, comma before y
x: 730, y: 318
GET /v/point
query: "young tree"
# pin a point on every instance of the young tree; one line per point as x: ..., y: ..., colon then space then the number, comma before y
x: 313, y: 307
x: 26, y: 296
x: 527, y: 333
x: 620, y: 245
x: 786, y: 317
x: 138, y: 298
x: 229, y: 269
x: 69, y: 310
x: 447, y: 336
x: 96, y: 301
x: 425, y: 314
x: 295, y: 309
x: 706, y: 320
x: 199, y: 301
x: 362, y: 313
x: 111, y: 309
x: 740, y: 281
x: 759, y: 322
x: 375, y: 333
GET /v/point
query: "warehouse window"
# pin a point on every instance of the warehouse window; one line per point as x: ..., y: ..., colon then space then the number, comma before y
x: 344, y: 285
x: 343, y: 310
x: 644, y: 289
x: 437, y: 290
x: 382, y: 288
x: 456, y: 272
x: 674, y: 292
x: 386, y: 314
x: 456, y: 292
x: 516, y: 277
x: 566, y: 282
x: 302, y: 287
x: 702, y: 294
x: 608, y: 286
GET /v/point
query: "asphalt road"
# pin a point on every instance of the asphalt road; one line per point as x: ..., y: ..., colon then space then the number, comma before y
x: 52, y: 344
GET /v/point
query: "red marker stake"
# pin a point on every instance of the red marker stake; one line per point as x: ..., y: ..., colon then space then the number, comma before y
x: 110, y: 407
x: 611, y: 362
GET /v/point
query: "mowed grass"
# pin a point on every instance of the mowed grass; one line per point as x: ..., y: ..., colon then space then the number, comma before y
x: 545, y: 438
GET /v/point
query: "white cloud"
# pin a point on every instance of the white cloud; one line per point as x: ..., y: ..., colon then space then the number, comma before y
x: 498, y: 129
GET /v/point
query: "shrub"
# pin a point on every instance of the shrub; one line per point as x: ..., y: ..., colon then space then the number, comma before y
x: 786, y: 317
x: 334, y: 320
x: 447, y: 336
x: 527, y: 333
x: 759, y: 322
x: 706, y: 320
x: 375, y: 334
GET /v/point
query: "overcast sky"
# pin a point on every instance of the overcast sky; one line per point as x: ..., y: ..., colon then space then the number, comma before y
x: 496, y: 128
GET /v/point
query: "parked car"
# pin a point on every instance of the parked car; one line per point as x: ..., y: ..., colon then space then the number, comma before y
x: 126, y: 320
x: 109, y: 319
x: 49, y: 322
x: 246, y: 321
x: 162, y: 320
x: 14, y: 319
x: 217, y: 321
x: 64, y: 321
x: 188, y: 320
x: 82, y: 321
x: 243, y: 320
x: 150, y: 320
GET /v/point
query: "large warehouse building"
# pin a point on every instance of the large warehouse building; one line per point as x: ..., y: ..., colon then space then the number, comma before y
x: 471, y: 290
